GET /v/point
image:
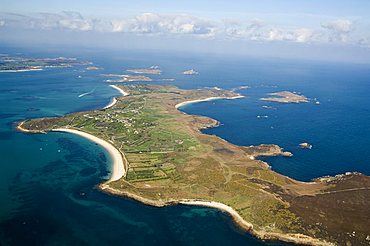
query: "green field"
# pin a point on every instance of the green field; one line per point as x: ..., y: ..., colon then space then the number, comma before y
x: 169, y: 159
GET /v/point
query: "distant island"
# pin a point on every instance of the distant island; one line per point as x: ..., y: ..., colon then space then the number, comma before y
x: 126, y: 78
x: 150, y: 70
x: 93, y: 68
x: 160, y: 157
x: 190, y: 72
x: 24, y: 64
x: 285, y: 97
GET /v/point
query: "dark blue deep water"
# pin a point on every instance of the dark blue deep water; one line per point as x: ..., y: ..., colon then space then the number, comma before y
x: 47, y: 181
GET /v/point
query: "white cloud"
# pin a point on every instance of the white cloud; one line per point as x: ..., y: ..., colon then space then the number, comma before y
x: 275, y: 34
x: 186, y: 25
x: 339, y: 29
x: 66, y: 20
x: 48, y: 21
x: 154, y: 24
x: 339, y: 25
x: 232, y: 29
x: 80, y: 25
x: 303, y: 35
x: 299, y: 35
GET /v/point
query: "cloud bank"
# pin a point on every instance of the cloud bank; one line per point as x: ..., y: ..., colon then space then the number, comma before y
x: 339, y: 29
x: 152, y: 24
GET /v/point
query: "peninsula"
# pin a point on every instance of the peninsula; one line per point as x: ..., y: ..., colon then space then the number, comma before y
x: 285, y: 97
x: 165, y: 159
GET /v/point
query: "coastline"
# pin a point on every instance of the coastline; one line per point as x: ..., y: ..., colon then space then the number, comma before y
x: 119, y: 168
x: 114, y: 100
x: 298, y: 239
x: 238, y: 220
x: 119, y: 161
x: 21, y: 129
x: 182, y: 104
x: 124, y: 93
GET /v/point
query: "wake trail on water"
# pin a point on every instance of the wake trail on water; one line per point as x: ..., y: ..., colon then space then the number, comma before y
x: 87, y: 93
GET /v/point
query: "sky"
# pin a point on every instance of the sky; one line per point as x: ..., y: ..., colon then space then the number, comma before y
x: 312, y: 29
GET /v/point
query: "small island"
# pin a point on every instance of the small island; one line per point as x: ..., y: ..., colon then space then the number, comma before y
x: 285, y: 97
x: 190, y: 72
x: 305, y: 146
x: 150, y: 70
x: 93, y: 68
x: 160, y: 158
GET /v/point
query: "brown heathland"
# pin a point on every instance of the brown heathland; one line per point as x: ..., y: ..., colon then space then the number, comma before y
x: 171, y: 161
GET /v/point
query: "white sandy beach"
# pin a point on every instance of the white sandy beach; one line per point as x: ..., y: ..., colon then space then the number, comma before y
x: 114, y: 100
x: 119, y: 161
x: 124, y: 93
x: 206, y: 100
x: 118, y: 165
x: 223, y: 207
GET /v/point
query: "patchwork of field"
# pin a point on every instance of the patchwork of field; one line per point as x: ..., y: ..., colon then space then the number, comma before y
x: 169, y: 159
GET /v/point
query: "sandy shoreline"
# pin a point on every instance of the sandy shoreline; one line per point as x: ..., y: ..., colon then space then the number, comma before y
x: 237, y: 218
x: 291, y: 238
x: 114, y: 100
x: 262, y: 235
x: 120, y: 167
x: 118, y: 161
x: 179, y: 105
x: 20, y: 128
x: 124, y: 93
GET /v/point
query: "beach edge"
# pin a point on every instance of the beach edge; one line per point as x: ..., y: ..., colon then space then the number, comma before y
x: 237, y: 219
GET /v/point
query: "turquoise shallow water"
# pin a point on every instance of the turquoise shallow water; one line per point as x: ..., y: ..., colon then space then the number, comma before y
x: 47, y: 181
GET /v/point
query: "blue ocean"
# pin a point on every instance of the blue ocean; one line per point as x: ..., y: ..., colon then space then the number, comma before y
x: 47, y: 181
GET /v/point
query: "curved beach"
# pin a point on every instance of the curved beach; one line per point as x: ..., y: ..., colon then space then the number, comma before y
x: 223, y: 207
x: 118, y: 164
x: 119, y: 161
x: 124, y: 93
x: 294, y: 238
x: 182, y: 104
x: 114, y: 100
x: 120, y: 169
x: 291, y: 238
